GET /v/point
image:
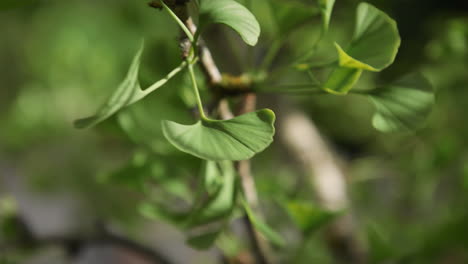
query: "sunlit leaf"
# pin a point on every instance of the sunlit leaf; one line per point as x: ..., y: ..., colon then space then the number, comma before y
x: 402, y: 105
x: 127, y: 93
x: 341, y: 80
x: 326, y: 8
x: 373, y: 48
x: 262, y: 227
x: 232, y: 14
x: 375, y: 41
x: 239, y: 138
x: 309, y: 217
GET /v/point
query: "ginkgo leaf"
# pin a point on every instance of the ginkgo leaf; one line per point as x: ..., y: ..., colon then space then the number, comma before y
x: 326, y: 8
x: 232, y: 14
x: 127, y: 93
x: 375, y: 41
x: 402, y: 105
x: 374, y: 47
x: 239, y: 138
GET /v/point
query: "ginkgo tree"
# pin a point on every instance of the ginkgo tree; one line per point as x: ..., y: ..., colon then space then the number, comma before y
x: 221, y: 142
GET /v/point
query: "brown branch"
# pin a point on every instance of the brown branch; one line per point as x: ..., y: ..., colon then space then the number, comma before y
x: 262, y: 248
x: 214, y: 78
x: 206, y: 62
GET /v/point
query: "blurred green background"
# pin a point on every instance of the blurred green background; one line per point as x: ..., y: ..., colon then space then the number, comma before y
x: 60, y: 59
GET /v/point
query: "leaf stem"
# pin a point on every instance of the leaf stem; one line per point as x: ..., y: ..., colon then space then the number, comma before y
x: 164, y: 80
x: 306, y: 88
x: 197, y: 93
x: 177, y: 19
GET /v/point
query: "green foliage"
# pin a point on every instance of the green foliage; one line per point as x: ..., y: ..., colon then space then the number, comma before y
x: 373, y: 48
x: 211, y: 210
x: 402, y: 105
x: 220, y: 202
x: 163, y: 181
x: 232, y: 14
x: 239, y: 138
x: 375, y: 41
x: 128, y: 92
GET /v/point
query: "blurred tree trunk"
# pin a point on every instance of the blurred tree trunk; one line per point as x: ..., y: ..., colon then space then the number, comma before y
x: 302, y: 139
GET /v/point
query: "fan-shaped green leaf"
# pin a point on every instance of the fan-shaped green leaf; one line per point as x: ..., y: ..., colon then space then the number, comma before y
x: 375, y: 41
x: 232, y: 14
x: 373, y: 48
x: 402, y: 105
x: 128, y: 92
x: 239, y: 138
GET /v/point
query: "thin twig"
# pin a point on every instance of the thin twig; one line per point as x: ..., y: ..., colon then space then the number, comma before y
x: 262, y: 248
